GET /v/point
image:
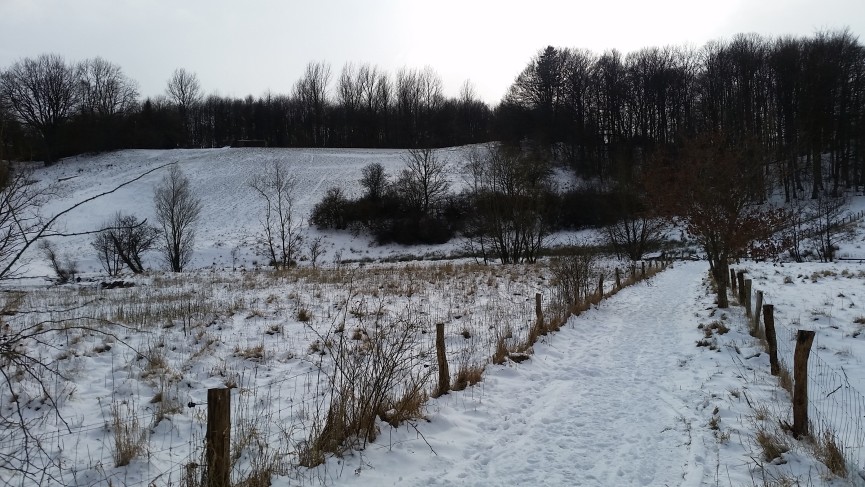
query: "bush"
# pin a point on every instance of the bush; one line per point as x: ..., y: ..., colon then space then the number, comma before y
x: 331, y: 211
x: 372, y: 380
x: 388, y: 218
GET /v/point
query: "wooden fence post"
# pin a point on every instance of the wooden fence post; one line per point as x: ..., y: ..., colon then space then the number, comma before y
x: 218, y: 437
x: 769, y: 320
x: 804, y: 339
x: 755, y: 323
x: 643, y: 270
x: 618, y: 279
x: 733, y: 288
x: 747, y: 294
x: 600, y: 288
x: 539, y: 311
x: 740, y: 276
x: 444, y: 373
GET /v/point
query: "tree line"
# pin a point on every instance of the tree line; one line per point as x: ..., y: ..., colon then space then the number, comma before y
x: 51, y: 108
x: 799, y: 103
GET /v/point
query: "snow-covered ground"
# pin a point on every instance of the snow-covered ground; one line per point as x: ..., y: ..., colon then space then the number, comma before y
x: 622, y: 395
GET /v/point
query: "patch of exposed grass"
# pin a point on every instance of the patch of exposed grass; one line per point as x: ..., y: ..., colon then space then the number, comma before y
x: 467, y: 375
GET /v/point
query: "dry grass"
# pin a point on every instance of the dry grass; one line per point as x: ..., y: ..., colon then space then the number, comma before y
x: 826, y: 450
x: 255, y: 352
x: 467, y: 375
x: 303, y: 315
x: 772, y: 445
x: 130, y: 440
x: 409, y: 406
x: 785, y: 378
x: 500, y: 355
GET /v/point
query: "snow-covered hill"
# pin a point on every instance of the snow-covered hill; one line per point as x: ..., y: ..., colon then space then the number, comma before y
x: 655, y: 386
x: 230, y: 210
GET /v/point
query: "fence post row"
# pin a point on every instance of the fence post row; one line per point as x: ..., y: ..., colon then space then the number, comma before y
x: 218, y: 437
x: 804, y: 339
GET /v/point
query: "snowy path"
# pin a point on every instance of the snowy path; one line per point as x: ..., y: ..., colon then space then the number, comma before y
x: 604, y: 403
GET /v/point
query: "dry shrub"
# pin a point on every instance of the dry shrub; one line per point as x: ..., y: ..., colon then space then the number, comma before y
x: 574, y: 277
x: 409, y: 406
x: 254, y: 353
x: 719, y: 327
x: 130, y: 439
x: 500, y: 354
x: 826, y: 450
x: 372, y: 379
x: 468, y: 375
x: 303, y: 315
x: 772, y: 445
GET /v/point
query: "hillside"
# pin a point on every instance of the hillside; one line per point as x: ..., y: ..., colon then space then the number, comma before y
x: 652, y: 386
x: 231, y: 212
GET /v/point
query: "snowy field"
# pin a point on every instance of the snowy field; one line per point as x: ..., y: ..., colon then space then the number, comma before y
x: 621, y: 396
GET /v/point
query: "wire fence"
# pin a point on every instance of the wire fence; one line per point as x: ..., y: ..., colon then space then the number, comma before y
x: 836, y: 409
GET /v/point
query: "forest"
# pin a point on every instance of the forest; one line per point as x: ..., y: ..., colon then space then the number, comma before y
x: 798, y: 103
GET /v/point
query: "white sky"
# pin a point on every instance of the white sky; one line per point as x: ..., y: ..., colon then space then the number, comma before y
x: 248, y: 47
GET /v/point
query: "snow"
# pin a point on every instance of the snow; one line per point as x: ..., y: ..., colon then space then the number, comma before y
x: 621, y: 395
x: 604, y: 402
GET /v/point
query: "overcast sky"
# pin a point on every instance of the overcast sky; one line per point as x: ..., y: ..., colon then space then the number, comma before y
x: 248, y: 47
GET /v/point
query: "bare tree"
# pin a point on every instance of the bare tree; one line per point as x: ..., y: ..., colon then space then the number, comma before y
x: 316, y: 250
x: 424, y: 183
x: 374, y: 180
x: 43, y: 94
x: 637, y: 226
x: 105, y: 90
x: 633, y: 233
x: 282, y: 237
x: 827, y: 224
x: 311, y: 93
x: 107, y: 254
x: 64, y: 267
x: 508, y: 192
x: 177, y: 212
x: 184, y: 90
x: 123, y: 241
